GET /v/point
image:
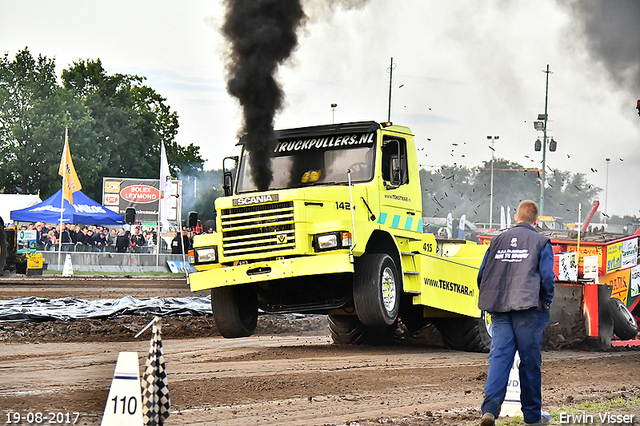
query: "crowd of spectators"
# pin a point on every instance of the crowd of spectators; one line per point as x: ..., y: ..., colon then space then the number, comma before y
x: 119, y: 239
x: 94, y: 238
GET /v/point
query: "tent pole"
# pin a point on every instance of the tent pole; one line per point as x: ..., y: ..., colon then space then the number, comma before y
x: 60, y: 236
x: 66, y: 135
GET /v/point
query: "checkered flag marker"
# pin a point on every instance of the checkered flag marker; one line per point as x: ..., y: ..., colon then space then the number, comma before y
x: 155, y: 387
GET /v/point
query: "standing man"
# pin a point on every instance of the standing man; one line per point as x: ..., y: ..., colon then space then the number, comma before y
x: 179, y: 242
x: 122, y: 241
x: 137, y: 240
x: 516, y: 285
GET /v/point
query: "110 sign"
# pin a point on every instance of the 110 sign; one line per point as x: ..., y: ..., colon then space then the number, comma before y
x: 127, y: 405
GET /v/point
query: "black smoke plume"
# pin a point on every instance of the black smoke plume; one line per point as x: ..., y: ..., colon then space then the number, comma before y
x: 262, y: 35
x: 612, y: 31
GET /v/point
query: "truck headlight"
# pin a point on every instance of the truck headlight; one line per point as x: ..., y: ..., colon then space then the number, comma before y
x: 206, y: 255
x: 332, y: 241
x: 327, y: 241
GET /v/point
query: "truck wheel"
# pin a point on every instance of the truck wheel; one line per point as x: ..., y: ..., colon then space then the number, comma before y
x: 235, y: 310
x: 349, y: 330
x: 624, y: 324
x: 466, y: 334
x: 3, y: 247
x: 376, y: 290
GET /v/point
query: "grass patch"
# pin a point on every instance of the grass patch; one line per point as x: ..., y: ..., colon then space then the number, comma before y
x: 592, y: 407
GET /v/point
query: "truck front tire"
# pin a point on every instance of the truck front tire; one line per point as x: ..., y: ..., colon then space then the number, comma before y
x: 235, y: 310
x: 376, y: 290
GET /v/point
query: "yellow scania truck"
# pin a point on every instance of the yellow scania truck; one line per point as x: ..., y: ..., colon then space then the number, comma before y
x: 338, y: 231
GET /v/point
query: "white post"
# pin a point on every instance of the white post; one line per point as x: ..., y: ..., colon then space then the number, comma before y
x: 66, y: 135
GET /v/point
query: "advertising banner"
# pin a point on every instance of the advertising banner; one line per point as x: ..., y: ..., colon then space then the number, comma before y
x: 629, y: 253
x: 620, y: 281
x: 634, y: 289
x: 614, y: 257
x: 566, y: 266
x: 142, y: 194
x: 587, y: 250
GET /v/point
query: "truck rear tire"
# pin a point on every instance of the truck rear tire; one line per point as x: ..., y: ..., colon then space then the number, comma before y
x: 625, y: 325
x: 235, y: 310
x: 349, y: 330
x: 466, y: 334
x: 376, y: 290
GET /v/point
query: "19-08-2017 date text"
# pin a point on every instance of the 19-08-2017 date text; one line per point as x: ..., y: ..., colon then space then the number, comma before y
x: 37, y: 417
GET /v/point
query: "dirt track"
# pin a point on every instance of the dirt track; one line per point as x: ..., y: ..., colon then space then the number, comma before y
x: 296, y: 378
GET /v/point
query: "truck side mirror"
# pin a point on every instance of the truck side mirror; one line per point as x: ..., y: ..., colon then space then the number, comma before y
x: 397, y: 174
x: 227, y: 182
x: 227, y: 177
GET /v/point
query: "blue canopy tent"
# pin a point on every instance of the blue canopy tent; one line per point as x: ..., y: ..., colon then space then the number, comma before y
x: 83, y: 211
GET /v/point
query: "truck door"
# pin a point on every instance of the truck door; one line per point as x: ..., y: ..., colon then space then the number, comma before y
x: 398, y: 201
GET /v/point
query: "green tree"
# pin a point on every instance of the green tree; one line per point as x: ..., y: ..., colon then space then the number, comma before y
x: 31, y: 112
x: 565, y: 192
x: 128, y: 123
x: 468, y: 191
x: 116, y: 125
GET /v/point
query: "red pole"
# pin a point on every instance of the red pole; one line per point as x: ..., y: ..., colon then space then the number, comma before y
x: 594, y: 208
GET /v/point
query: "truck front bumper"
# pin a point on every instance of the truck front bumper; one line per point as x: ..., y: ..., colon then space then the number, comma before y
x: 271, y: 270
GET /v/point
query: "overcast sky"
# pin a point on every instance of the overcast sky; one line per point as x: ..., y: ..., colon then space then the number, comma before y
x: 464, y: 70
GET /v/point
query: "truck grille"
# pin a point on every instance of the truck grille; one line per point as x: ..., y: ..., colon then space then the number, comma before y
x: 258, y: 229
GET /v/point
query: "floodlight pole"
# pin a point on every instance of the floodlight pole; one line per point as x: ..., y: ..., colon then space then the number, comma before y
x: 544, y: 144
x: 492, y: 139
x: 391, y: 67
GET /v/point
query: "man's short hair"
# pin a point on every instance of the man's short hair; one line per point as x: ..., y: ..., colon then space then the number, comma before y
x: 528, y: 211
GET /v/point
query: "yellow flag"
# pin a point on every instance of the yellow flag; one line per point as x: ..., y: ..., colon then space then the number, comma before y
x: 70, y: 181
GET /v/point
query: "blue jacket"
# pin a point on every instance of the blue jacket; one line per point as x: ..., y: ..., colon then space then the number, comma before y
x: 517, y: 271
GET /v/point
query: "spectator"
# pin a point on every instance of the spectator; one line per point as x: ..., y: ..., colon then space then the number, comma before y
x: 178, y: 243
x: 137, y: 240
x: 82, y: 241
x: 154, y: 236
x: 99, y: 241
x: 64, y: 236
x: 41, y: 237
x: 517, y: 291
x: 74, y: 233
x: 52, y: 241
x: 91, y: 245
x: 122, y: 241
x: 111, y: 238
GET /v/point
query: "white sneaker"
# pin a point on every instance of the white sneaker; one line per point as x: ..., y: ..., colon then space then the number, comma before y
x: 545, y: 419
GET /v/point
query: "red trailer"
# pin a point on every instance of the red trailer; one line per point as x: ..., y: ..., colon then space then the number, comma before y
x: 597, y: 288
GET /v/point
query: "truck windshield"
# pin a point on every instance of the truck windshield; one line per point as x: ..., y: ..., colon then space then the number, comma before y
x: 320, y: 166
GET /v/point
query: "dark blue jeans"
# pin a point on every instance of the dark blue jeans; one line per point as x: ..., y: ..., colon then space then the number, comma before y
x: 521, y: 331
